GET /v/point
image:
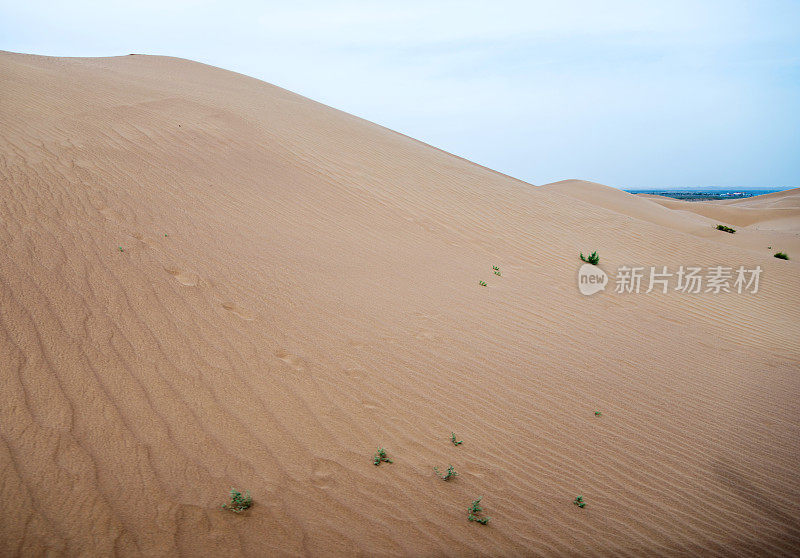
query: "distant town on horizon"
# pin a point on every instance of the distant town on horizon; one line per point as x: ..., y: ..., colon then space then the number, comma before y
x: 710, y: 193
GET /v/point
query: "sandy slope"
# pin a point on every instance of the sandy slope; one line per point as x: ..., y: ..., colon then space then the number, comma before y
x: 789, y: 199
x: 765, y: 224
x: 778, y: 211
x: 298, y: 286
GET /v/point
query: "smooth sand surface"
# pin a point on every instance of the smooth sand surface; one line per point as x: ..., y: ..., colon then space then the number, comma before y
x: 297, y: 286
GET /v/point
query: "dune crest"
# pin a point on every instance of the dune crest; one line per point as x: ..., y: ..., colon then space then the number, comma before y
x: 209, y: 282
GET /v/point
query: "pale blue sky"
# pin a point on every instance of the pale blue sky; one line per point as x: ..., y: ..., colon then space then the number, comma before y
x: 633, y: 94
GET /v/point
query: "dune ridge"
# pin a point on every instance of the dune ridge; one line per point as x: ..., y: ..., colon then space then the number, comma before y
x: 208, y: 281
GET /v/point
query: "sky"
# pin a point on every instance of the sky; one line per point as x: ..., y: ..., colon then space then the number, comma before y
x: 633, y: 94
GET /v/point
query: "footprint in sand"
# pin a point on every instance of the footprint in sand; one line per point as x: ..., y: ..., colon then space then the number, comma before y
x: 354, y: 373
x: 186, y: 278
x: 110, y: 214
x: 237, y: 310
x: 325, y: 472
x: 148, y: 240
x: 368, y: 404
x: 293, y: 361
x: 426, y: 334
x: 426, y: 328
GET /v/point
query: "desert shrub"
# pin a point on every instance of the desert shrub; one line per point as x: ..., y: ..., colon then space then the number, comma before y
x: 726, y: 229
x: 781, y: 255
x: 451, y: 473
x: 239, y: 502
x: 454, y: 440
x: 592, y: 259
x: 380, y: 457
x: 474, y: 512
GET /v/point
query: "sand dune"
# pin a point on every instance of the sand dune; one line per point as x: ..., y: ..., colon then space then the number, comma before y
x: 207, y: 281
x: 770, y: 221
x: 764, y: 226
x: 779, y: 211
x: 789, y: 199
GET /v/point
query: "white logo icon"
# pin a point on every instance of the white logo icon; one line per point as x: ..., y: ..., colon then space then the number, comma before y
x: 591, y: 279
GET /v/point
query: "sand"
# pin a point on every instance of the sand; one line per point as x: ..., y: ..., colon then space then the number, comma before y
x: 297, y: 286
x: 779, y: 211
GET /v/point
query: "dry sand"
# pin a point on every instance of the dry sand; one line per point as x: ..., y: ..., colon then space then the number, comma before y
x: 298, y: 286
x: 779, y: 211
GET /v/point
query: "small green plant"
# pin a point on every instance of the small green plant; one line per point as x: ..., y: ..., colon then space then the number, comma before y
x: 165, y: 235
x: 451, y: 472
x: 380, y: 457
x: 726, y: 229
x: 497, y: 273
x: 239, y: 502
x: 598, y: 414
x: 579, y: 501
x: 482, y: 283
x: 494, y: 267
x: 453, y: 439
x: 120, y: 248
x: 474, y: 511
x: 781, y: 255
x: 592, y: 259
